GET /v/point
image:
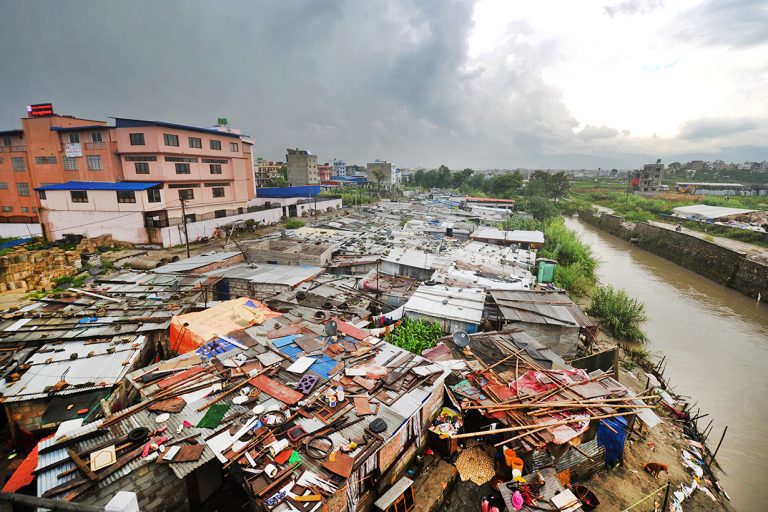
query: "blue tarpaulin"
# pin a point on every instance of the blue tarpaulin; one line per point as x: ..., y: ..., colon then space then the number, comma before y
x: 613, y: 441
x: 285, y: 192
x: 214, y: 348
x: 14, y: 242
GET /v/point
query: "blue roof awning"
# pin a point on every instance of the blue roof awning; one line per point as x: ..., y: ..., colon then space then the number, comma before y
x: 100, y: 185
x: 80, y: 128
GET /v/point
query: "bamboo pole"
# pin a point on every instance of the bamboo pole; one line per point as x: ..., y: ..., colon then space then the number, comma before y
x: 232, y: 389
x: 538, y: 425
x: 498, y: 407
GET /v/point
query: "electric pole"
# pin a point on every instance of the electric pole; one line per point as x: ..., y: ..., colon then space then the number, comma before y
x: 184, y: 220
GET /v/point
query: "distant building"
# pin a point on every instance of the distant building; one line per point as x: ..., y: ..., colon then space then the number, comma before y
x: 339, y: 168
x: 267, y: 170
x: 649, y: 178
x: 710, y: 189
x: 357, y: 171
x: 324, y: 171
x: 696, y: 165
x: 383, y: 167
x: 302, y: 168
x: 488, y: 202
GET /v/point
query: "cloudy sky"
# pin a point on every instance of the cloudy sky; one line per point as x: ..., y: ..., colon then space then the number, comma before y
x: 484, y: 84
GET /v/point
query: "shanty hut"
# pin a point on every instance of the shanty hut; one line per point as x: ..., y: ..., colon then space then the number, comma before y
x: 549, y: 316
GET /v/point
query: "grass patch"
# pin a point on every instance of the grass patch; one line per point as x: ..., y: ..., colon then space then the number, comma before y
x: 575, y: 271
x: 415, y: 335
x: 293, y: 224
x: 620, y: 315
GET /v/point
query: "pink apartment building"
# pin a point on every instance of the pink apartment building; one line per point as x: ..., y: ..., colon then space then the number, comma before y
x: 161, y: 165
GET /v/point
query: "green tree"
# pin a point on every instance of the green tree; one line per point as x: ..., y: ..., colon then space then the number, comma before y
x: 378, y: 175
x: 277, y: 182
x: 540, y: 207
x: 443, y: 177
x: 558, y: 185
x: 461, y: 177
x: 418, y: 178
x: 504, y: 185
x: 542, y: 183
x: 537, y: 183
x: 477, y: 181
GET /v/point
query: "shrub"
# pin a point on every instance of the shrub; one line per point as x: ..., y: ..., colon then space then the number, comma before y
x: 416, y: 335
x: 575, y: 278
x: 293, y: 223
x: 621, y: 315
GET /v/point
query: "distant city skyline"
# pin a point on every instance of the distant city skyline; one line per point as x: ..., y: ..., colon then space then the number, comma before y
x: 483, y: 84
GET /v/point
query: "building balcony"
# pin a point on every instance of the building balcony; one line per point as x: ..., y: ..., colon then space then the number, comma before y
x: 13, y: 149
x: 89, y: 146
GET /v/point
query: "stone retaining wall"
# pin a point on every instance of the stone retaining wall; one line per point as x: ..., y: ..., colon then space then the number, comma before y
x: 720, y: 264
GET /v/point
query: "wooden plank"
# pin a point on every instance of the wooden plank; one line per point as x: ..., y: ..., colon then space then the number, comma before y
x: 362, y: 406
x: 81, y: 464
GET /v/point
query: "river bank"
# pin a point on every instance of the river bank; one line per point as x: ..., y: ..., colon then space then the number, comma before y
x: 721, y: 264
x: 714, y: 340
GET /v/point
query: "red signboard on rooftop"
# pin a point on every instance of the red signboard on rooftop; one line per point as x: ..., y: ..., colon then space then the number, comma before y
x: 40, y: 109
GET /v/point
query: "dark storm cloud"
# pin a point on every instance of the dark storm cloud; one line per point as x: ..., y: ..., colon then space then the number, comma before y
x: 346, y: 79
x: 713, y: 128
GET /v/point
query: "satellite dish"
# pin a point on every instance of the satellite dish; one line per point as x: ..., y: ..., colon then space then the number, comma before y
x: 331, y: 328
x: 460, y: 339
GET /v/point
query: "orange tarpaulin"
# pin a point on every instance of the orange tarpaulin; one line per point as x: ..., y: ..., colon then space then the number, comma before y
x: 221, y: 319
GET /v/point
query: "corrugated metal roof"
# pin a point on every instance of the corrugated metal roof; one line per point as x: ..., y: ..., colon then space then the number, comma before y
x: 287, y: 275
x: 82, y: 374
x: 462, y: 304
x: 704, y: 211
x: 194, y: 262
x: 539, y: 307
x: 517, y: 235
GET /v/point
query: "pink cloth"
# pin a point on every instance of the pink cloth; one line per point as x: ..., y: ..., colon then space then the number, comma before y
x: 517, y: 500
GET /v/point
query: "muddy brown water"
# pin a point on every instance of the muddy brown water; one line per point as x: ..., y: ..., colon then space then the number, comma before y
x: 716, y: 343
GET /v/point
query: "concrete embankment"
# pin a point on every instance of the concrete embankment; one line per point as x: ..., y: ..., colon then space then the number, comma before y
x: 720, y: 264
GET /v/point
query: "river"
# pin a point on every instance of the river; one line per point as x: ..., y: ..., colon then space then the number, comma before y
x: 716, y: 343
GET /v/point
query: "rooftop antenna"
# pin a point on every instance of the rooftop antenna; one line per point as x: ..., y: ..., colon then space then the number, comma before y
x: 460, y: 339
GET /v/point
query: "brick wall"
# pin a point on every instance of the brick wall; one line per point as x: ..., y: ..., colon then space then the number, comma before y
x: 28, y: 413
x: 156, y: 486
x: 338, y: 502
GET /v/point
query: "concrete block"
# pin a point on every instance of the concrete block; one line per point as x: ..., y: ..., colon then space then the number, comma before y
x: 123, y: 501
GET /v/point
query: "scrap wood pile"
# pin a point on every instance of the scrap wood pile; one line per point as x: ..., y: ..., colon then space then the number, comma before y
x: 291, y: 412
x: 539, y: 405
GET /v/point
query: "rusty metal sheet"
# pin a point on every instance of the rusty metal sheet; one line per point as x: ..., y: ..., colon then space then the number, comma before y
x: 168, y: 381
x: 276, y: 390
x: 284, y: 331
x: 351, y: 330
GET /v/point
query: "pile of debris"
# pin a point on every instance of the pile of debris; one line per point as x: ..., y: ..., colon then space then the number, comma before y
x: 295, y: 411
x: 29, y: 270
